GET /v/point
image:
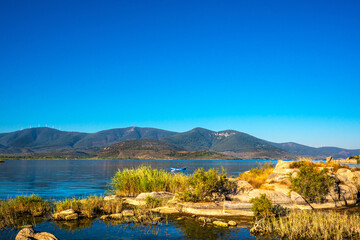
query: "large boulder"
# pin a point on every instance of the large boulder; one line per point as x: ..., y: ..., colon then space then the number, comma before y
x: 346, y: 175
x: 275, y: 196
x: 243, y: 186
x: 329, y: 159
x: 156, y: 195
x: 297, y: 198
x: 281, y: 173
x: 30, y: 234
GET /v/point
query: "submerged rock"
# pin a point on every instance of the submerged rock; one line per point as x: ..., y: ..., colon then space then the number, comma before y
x: 128, y: 213
x: 156, y: 195
x: 30, y: 234
x: 104, y: 217
x: 68, y: 214
x: 232, y: 223
x: 116, y: 216
x: 72, y: 216
x: 112, y: 198
x: 205, y: 219
x: 220, y: 224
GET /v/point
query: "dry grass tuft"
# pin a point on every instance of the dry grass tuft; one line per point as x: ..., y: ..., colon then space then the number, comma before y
x: 257, y: 176
x: 309, y: 162
x: 313, y: 225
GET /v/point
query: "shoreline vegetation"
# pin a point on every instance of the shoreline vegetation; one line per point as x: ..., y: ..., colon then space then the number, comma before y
x: 146, y: 196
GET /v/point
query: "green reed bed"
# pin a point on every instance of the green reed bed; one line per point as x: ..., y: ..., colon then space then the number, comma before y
x: 203, y: 185
x: 131, y: 182
x: 314, y: 225
x: 13, y: 209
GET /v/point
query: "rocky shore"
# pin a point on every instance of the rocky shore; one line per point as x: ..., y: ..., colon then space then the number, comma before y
x: 223, y: 214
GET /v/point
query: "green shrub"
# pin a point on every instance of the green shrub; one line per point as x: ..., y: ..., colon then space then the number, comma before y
x: 66, y: 204
x: 153, y: 202
x: 208, y: 186
x: 262, y: 207
x: 312, y: 184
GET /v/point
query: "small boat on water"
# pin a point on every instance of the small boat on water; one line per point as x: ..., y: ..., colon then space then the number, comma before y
x: 178, y: 169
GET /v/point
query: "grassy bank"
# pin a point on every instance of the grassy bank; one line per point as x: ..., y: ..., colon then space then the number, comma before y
x: 13, y: 209
x: 89, y: 207
x: 313, y: 225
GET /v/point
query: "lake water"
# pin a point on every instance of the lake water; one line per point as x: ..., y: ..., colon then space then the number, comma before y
x: 59, y: 179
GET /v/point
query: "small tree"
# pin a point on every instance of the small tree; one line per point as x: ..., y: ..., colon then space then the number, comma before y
x: 262, y: 206
x: 312, y: 184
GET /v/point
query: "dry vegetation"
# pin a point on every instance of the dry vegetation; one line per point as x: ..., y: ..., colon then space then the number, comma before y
x: 308, y: 162
x: 313, y: 225
x: 257, y: 176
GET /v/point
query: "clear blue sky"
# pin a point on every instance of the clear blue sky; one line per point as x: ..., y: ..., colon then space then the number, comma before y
x: 279, y: 70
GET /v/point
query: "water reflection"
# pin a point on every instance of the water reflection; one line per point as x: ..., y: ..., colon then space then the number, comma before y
x: 58, y: 179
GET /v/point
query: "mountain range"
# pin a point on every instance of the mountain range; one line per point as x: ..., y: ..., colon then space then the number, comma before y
x: 230, y: 142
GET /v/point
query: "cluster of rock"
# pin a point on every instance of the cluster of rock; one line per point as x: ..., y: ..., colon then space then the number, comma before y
x: 30, y: 234
x: 216, y: 222
x: 349, y: 160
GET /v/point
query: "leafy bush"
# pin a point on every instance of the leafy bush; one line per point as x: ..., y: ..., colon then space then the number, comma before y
x: 262, y: 206
x: 312, y: 183
x: 153, y: 202
x: 257, y: 176
x: 208, y: 186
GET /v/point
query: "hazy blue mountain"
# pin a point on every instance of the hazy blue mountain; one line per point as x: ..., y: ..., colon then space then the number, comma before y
x: 230, y: 142
x: 321, y: 152
x: 40, y: 140
x: 241, y: 145
x: 111, y: 136
x: 51, y: 140
x: 154, y: 149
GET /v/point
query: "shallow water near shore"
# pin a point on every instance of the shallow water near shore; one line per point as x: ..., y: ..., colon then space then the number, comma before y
x: 97, y: 229
x: 59, y: 179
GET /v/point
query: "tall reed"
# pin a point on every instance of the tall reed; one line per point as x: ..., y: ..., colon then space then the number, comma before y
x: 314, y: 225
x: 131, y: 182
x: 90, y: 206
x: 12, y: 209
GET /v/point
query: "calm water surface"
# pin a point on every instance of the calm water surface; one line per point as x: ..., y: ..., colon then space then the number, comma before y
x: 59, y: 179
